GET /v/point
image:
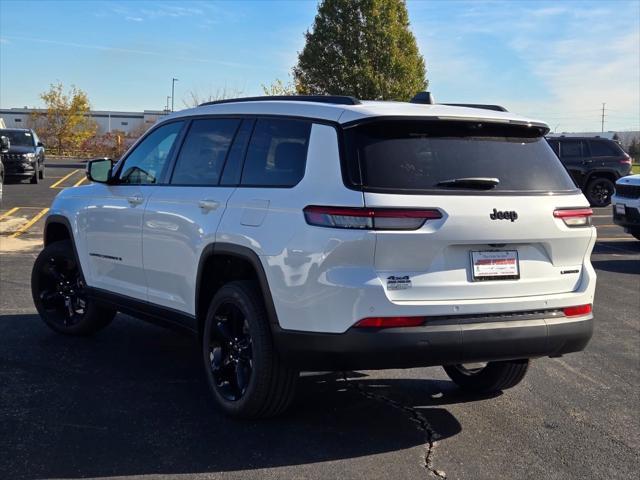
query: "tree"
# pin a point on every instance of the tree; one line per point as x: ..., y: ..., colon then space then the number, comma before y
x: 634, y: 149
x: 279, y: 88
x: 66, y: 123
x: 362, y: 48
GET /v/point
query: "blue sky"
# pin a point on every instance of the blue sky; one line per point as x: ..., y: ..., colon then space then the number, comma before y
x: 557, y: 61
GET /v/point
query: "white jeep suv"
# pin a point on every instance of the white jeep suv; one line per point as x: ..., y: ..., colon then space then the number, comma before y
x: 328, y: 234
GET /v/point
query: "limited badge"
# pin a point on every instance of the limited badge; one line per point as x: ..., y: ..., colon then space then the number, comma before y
x: 398, y: 283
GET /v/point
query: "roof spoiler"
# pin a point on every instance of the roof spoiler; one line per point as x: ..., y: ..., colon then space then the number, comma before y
x: 426, y: 98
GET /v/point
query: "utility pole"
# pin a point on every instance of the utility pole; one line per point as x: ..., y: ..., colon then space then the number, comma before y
x: 602, y: 122
x: 173, y: 91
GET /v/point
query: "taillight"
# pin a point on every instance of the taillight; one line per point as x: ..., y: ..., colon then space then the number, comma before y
x: 390, y: 322
x: 369, y: 218
x: 574, y: 217
x: 626, y: 160
x: 577, y: 311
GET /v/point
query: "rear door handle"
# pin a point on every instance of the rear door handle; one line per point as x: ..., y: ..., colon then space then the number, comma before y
x: 135, y: 200
x: 208, y: 205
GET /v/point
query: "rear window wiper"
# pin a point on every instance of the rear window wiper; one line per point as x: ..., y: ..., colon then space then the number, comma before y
x: 478, y: 183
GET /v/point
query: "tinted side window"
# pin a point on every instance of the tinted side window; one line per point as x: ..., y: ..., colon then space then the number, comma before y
x: 204, y: 151
x: 233, y: 165
x: 554, y: 146
x: 147, y: 163
x: 277, y: 153
x: 600, y: 148
x: 572, y: 149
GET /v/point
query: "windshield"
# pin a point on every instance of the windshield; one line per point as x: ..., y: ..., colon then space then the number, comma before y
x: 442, y: 157
x: 18, y: 138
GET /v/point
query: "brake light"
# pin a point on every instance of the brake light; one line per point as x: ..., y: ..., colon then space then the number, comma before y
x: 577, y: 311
x: 369, y: 218
x: 626, y: 160
x: 390, y: 322
x: 574, y: 217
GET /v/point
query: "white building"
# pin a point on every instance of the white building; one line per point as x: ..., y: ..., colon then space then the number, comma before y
x: 127, y: 122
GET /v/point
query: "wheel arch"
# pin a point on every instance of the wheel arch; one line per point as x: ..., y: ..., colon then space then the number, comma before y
x: 223, y: 262
x: 57, y: 228
x: 608, y: 174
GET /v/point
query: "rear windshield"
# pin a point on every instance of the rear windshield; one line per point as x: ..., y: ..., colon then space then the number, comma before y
x: 425, y: 156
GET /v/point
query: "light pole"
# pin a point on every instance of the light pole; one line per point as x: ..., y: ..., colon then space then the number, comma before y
x: 166, y: 109
x: 173, y: 91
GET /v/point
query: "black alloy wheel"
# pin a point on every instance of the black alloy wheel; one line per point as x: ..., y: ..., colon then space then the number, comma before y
x: 62, y: 290
x: 244, y: 371
x: 600, y: 191
x: 60, y: 295
x: 230, y: 352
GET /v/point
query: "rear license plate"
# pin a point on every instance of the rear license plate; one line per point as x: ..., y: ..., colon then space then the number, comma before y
x: 495, y: 265
x: 620, y: 208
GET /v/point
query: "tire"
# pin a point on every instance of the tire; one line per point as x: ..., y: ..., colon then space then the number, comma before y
x: 42, y: 172
x: 599, y: 191
x: 36, y: 178
x: 493, y: 377
x: 244, y: 372
x: 57, y: 288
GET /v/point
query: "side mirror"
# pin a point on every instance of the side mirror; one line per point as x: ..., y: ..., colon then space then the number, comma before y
x: 40, y: 144
x: 5, y: 144
x: 99, y: 170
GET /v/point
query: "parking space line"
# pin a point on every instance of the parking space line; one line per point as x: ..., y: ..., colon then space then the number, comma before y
x: 79, y: 182
x: 64, y: 178
x: 27, y: 225
x: 9, y: 212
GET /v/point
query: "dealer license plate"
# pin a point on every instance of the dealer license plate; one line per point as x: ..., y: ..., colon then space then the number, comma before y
x: 495, y: 265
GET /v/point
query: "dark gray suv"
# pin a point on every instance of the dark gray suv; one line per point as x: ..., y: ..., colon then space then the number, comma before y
x: 25, y: 156
x: 594, y: 163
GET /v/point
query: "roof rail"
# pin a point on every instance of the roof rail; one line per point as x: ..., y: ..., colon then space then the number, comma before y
x: 335, y: 99
x: 497, y: 108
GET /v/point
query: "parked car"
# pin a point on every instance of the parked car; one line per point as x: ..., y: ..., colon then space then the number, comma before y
x: 626, y: 204
x: 327, y: 233
x: 4, y: 147
x: 594, y: 164
x: 25, y: 156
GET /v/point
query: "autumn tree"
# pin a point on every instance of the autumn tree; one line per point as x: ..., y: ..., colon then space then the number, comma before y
x: 66, y: 123
x: 278, y: 87
x: 363, y: 48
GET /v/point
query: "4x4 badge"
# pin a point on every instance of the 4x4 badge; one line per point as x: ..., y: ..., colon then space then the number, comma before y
x: 506, y: 215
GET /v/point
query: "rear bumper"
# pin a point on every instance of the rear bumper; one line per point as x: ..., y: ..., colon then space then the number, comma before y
x: 631, y: 218
x: 440, y: 342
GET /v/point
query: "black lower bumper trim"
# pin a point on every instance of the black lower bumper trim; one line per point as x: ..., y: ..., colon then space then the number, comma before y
x: 440, y: 344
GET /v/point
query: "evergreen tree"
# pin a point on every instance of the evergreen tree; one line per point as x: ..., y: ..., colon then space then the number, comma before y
x: 362, y: 48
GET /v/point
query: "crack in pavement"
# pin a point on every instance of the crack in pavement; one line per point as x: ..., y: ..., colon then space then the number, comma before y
x: 431, y: 436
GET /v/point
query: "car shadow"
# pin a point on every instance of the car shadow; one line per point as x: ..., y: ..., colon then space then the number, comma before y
x: 618, y: 265
x: 132, y: 400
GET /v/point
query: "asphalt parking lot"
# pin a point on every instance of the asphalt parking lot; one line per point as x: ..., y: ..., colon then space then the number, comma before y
x: 132, y: 400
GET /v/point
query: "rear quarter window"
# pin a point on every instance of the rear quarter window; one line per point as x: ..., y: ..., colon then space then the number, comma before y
x: 277, y: 153
x: 600, y: 148
x: 416, y: 156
